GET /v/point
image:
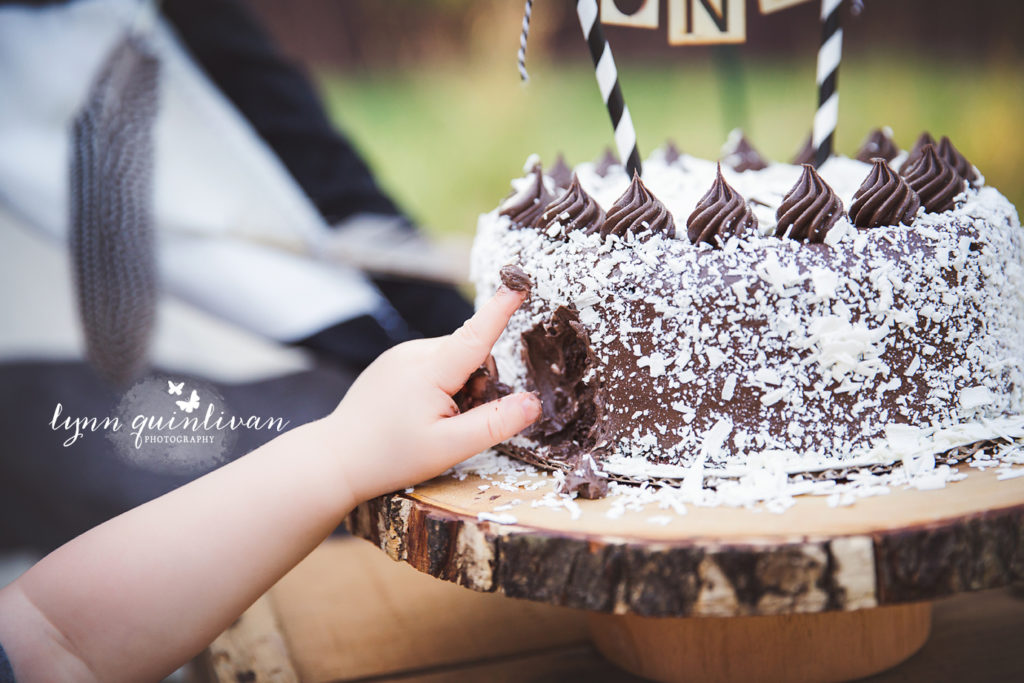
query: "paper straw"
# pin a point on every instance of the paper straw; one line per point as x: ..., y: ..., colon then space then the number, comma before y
x: 828, y: 73
x: 521, y: 57
x: 608, y: 82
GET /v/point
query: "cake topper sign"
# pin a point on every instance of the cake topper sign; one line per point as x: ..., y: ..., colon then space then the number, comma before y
x: 700, y: 22
x: 690, y: 22
x: 696, y: 22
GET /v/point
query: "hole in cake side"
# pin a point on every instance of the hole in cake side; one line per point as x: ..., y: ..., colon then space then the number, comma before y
x: 559, y: 364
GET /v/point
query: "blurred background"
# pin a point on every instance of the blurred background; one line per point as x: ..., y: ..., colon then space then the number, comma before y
x: 428, y: 90
x: 430, y: 93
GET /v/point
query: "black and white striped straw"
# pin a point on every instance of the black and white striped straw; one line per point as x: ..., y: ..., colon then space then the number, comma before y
x: 829, y: 54
x: 608, y: 82
x: 521, y: 57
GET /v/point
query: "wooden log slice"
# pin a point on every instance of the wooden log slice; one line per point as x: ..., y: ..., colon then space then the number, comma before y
x: 905, y: 546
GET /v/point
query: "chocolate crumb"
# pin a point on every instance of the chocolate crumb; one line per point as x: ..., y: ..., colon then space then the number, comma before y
x: 585, y: 479
x: 515, y: 278
x: 481, y: 387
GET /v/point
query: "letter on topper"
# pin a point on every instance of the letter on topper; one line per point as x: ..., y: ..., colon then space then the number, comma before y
x: 635, y: 13
x: 702, y: 22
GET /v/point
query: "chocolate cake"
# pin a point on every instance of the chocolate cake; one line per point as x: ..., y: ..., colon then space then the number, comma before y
x: 755, y: 319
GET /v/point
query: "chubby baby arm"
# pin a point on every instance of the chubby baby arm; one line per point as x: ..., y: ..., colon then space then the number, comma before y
x: 398, y: 425
x: 139, y: 595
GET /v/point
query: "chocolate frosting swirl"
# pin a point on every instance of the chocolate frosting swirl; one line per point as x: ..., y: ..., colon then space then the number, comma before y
x: 742, y: 156
x: 935, y: 181
x: 923, y: 139
x: 720, y: 214
x: 560, y: 173
x: 671, y: 152
x: 954, y: 158
x: 884, y: 198
x: 605, y: 163
x: 525, y: 206
x: 639, y: 212
x: 878, y: 143
x: 809, y: 209
x: 805, y: 155
x: 575, y: 210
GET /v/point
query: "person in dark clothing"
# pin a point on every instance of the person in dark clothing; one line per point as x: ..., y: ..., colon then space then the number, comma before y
x: 48, y: 493
x: 279, y: 101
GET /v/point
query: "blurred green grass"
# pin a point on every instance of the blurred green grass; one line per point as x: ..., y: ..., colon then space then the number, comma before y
x: 444, y: 141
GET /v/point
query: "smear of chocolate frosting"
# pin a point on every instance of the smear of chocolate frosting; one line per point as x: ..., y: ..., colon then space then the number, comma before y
x: 558, y: 356
x: 672, y: 152
x: 561, y: 173
x: 923, y: 139
x: 805, y: 155
x: 481, y: 387
x: 525, y: 206
x: 809, y: 209
x: 878, y: 144
x: 574, y: 210
x: 884, y: 198
x: 720, y: 214
x: 515, y: 278
x: 958, y: 161
x: 742, y: 156
x: 935, y: 181
x: 584, y: 478
x: 638, y: 211
x: 605, y: 163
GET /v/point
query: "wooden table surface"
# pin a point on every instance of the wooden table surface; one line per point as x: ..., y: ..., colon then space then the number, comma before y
x: 348, y: 613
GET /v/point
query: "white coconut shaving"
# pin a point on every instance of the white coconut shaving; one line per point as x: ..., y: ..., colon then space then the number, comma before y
x: 496, y: 518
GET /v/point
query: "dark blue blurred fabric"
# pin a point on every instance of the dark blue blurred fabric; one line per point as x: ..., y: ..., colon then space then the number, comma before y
x: 6, y: 672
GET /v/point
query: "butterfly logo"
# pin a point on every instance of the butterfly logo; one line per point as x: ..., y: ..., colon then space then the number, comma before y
x: 173, y: 388
x: 191, y: 404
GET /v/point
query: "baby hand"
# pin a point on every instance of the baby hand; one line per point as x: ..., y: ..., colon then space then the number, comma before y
x: 398, y: 424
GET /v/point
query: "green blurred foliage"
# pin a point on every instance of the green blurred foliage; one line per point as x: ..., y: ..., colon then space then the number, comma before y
x: 445, y: 140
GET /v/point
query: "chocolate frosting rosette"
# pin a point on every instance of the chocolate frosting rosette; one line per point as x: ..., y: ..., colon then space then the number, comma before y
x: 809, y: 209
x: 639, y: 212
x: 934, y: 180
x: 878, y: 144
x: 883, y: 199
x: 525, y: 206
x: 720, y: 214
x: 574, y: 210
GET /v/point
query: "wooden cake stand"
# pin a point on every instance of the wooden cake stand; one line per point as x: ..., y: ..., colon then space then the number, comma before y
x: 816, y: 593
